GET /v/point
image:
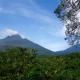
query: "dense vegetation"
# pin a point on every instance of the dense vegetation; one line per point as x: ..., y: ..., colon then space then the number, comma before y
x: 23, y: 64
x: 68, y: 11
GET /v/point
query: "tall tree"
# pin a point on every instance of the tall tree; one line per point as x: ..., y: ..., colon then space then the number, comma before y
x: 67, y: 11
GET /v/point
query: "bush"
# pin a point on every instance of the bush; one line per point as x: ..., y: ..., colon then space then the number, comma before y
x: 23, y: 64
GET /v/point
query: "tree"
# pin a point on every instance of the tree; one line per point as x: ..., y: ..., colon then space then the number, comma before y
x: 67, y: 11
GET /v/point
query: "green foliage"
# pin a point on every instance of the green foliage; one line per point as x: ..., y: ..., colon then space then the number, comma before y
x: 23, y: 64
x: 67, y: 11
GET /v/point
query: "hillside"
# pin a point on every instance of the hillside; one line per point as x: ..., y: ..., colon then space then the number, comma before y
x: 18, y: 41
x: 75, y: 48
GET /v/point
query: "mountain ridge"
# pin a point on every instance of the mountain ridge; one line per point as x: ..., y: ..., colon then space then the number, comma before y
x: 18, y: 41
x: 75, y: 48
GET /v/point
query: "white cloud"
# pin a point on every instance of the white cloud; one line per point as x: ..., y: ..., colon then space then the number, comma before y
x: 53, y: 45
x: 57, y: 46
x: 9, y: 32
x: 30, y: 10
x: 6, y: 11
x: 61, y: 32
x: 78, y: 15
x: 55, y: 31
x: 40, y: 14
x: 34, y: 11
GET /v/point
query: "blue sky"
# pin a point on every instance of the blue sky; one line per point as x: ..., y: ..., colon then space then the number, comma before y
x: 34, y: 20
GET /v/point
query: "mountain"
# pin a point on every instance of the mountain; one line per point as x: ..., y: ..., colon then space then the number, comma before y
x: 18, y: 41
x: 75, y: 48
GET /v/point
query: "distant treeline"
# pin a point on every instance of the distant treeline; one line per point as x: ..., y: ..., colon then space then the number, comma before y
x: 23, y: 64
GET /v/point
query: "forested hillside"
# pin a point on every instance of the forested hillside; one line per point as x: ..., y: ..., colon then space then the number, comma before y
x: 23, y: 64
x: 18, y: 41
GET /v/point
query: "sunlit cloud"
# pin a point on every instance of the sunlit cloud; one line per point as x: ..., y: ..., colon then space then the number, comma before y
x: 61, y: 32
x: 57, y: 46
x: 9, y: 32
x: 39, y: 18
x: 54, y: 46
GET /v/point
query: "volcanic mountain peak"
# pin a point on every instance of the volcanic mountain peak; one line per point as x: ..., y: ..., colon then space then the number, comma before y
x: 14, y: 37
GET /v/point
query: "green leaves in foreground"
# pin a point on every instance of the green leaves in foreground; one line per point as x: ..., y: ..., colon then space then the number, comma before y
x: 23, y: 64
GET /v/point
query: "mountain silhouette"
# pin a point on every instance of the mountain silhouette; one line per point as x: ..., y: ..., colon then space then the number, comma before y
x: 75, y: 48
x: 18, y: 41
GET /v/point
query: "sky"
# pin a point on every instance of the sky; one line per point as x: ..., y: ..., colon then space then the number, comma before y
x: 34, y: 20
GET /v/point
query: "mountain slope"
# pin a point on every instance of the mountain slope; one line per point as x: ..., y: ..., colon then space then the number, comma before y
x: 75, y: 48
x: 17, y: 41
